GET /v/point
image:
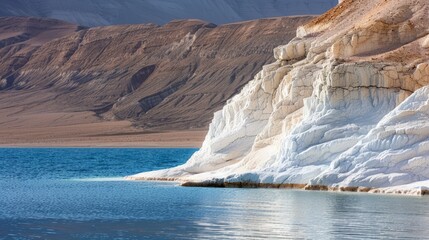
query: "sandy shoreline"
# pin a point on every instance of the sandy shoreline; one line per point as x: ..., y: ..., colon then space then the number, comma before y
x: 155, y: 140
x: 102, y: 135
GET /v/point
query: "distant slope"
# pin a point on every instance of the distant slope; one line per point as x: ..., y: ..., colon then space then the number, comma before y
x: 160, y: 78
x: 108, y: 12
x: 21, y: 37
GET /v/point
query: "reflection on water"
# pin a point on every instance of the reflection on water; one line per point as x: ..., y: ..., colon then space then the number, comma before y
x: 99, y: 179
x: 88, y: 206
x: 157, y: 210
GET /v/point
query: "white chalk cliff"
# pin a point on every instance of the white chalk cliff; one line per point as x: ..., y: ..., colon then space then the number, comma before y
x: 345, y: 107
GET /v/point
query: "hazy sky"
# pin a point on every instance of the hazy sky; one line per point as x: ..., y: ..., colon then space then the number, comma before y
x: 107, y: 12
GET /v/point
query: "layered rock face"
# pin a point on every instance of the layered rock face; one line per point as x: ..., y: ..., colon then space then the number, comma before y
x: 170, y: 77
x: 339, y: 109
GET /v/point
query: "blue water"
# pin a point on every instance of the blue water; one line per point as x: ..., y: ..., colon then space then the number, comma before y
x: 78, y: 194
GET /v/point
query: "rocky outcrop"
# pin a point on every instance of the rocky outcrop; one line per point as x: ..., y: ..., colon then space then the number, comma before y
x: 328, y: 114
x: 170, y: 77
x: 394, y: 152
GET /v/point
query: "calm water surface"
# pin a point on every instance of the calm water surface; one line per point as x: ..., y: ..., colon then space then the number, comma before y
x: 79, y: 194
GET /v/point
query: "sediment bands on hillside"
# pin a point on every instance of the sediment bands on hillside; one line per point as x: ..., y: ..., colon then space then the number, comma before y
x: 345, y: 106
x: 169, y: 77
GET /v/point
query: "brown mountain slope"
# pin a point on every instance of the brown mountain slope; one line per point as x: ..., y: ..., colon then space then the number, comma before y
x: 20, y: 37
x: 170, y: 77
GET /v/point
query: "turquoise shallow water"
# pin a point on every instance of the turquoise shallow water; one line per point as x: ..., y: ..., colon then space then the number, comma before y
x: 78, y: 194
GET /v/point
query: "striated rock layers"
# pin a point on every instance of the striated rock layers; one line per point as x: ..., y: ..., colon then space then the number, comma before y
x: 344, y: 107
x: 169, y: 77
x: 21, y: 37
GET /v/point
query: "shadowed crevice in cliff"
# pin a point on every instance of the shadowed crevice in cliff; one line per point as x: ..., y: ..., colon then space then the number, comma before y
x: 7, y: 82
x: 14, y: 39
x: 139, y: 77
x: 151, y: 101
x: 75, y: 45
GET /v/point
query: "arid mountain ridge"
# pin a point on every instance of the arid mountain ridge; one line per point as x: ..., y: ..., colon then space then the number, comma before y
x: 170, y: 77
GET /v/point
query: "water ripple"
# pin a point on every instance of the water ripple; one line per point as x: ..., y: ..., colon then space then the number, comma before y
x: 65, y: 194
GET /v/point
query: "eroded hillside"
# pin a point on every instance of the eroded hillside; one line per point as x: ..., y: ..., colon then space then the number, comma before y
x: 170, y: 77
